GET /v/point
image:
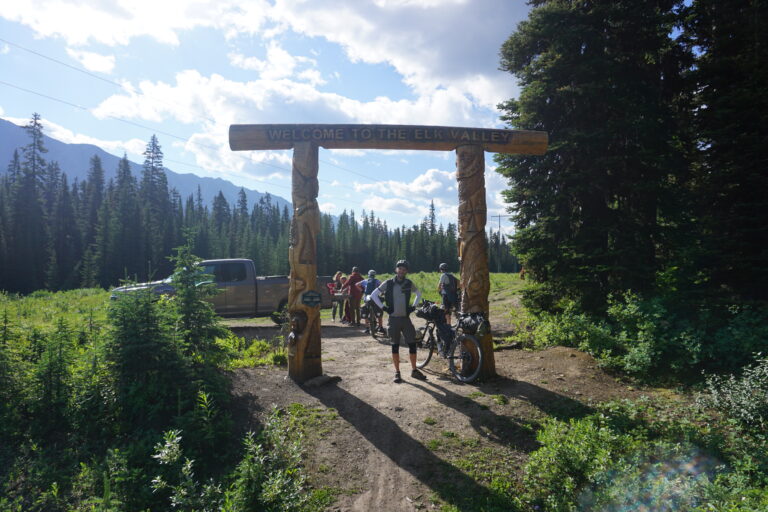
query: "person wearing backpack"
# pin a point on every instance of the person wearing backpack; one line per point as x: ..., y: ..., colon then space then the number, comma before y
x: 448, y: 287
x: 397, y: 292
x: 367, y: 287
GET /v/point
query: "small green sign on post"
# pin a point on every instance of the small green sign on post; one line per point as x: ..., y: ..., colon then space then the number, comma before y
x: 311, y: 298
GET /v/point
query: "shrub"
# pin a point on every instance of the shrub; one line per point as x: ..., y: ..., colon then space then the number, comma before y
x: 570, y: 456
x: 743, y: 398
x: 270, y: 476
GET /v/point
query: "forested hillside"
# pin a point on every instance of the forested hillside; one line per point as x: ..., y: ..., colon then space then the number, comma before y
x: 59, y: 235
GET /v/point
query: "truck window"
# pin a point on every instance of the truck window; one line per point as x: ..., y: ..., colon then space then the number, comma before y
x: 233, y: 272
x: 212, y: 270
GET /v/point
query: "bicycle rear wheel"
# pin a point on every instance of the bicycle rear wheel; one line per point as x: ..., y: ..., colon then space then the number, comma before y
x: 466, y: 358
x: 425, y: 346
x: 374, y: 323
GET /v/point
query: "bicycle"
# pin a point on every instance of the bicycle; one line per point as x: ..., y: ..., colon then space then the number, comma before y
x: 465, y: 357
x: 374, y: 315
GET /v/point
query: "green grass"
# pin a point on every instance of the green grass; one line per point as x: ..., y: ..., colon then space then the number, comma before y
x: 430, y: 420
x: 500, y: 399
x: 505, y: 285
x: 86, y: 308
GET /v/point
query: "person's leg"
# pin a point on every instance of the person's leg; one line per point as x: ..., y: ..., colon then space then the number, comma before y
x: 356, y: 311
x: 334, y: 306
x: 394, y: 333
x: 409, y: 334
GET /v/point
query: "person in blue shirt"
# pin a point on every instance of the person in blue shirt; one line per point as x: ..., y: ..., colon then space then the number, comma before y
x: 366, y: 287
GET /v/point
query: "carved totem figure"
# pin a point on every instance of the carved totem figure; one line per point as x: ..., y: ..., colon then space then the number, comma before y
x: 304, y: 340
x: 473, y: 245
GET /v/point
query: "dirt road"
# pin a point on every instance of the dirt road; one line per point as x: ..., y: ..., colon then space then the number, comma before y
x: 411, y: 446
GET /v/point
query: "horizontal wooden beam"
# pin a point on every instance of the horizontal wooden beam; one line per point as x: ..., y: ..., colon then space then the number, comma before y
x: 244, y: 137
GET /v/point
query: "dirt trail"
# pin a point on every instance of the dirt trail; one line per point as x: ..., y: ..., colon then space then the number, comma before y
x: 381, y: 450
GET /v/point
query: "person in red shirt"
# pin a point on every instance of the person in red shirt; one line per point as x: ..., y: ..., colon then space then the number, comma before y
x: 355, y: 295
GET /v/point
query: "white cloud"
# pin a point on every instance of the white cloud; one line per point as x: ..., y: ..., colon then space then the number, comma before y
x: 4, y: 48
x: 116, y: 22
x: 279, y: 64
x: 423, y: 41
x: 93, y: 61
x: 210, y: 104
x: 389, y: 205
x: 328, y: 207
x: 440, y: 47
x: 432, y: 184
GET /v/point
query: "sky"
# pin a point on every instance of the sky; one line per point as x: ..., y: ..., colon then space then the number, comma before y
x: 114, y: 72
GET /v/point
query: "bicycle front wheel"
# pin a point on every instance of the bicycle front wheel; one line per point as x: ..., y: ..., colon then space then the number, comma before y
x: 466, y: 358
x: 425, y: 345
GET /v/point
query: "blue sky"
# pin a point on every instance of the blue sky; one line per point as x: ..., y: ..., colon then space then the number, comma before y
x: 113, y: 72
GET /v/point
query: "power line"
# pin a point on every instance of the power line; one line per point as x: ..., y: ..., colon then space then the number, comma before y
x: 74, y: 105
x: 122, y: 86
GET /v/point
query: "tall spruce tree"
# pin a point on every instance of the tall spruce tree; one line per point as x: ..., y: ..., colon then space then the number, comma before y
x: 124, y: 246
x: 63, y: 269
x: 28, y: 248
x: 603, y: 78
x: 156, y: 212
x: 730, y: 113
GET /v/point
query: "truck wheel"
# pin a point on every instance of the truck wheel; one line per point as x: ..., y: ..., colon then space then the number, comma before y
x: 280, y: 316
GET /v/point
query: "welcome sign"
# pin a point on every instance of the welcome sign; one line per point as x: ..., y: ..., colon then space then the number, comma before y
x: 384, y: 136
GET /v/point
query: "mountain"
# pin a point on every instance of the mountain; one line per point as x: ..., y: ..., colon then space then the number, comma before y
x: 74, y: 160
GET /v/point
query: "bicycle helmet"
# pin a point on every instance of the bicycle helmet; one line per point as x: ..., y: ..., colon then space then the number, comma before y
x: 371, y: 273
x: 355, y: 269
x: 443, y: 267
x: 402, y: 263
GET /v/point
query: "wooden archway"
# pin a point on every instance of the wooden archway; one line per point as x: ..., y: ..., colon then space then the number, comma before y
x: 470, y: 145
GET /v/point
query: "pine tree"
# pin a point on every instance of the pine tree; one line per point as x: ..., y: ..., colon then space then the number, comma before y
x: 94, y: 195
x: 63, y: 269
x: 28, y: 255
x: 124, y: 246
x: 604, y: 79
x: 156, y: 212
x: 730, y: 112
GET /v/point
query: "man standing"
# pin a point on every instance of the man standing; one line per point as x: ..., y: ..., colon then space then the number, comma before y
x: 448, y: 287
x: 397, y: 293
x: 354, y: 296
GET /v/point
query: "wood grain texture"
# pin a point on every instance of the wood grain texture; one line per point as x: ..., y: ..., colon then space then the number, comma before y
x: 473, y: 246
x: 243, y: 137
x: 304, y: 360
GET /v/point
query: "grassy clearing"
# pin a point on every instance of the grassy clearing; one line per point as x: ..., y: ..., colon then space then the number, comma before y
x: 85, y: 309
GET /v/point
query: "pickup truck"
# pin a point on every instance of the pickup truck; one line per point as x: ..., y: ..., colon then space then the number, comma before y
x: 243, y: 293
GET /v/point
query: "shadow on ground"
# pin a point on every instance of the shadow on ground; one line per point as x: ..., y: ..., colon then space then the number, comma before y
x: 448, y: 481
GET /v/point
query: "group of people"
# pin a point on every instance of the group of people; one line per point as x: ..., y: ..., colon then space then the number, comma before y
x: 348, y: 292
x: 398, y: 296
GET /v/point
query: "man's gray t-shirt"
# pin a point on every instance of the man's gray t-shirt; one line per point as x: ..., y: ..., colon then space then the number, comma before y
x: 398, y: 297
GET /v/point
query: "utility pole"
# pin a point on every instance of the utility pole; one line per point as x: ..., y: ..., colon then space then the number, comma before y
x: 498, y: 252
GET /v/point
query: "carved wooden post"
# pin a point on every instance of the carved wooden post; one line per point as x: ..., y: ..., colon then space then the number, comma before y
x: 304, y: 341
x: 473, y: 246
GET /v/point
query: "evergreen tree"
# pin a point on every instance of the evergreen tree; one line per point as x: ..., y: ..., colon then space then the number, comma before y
x: 94, y: 195
x: 124, y: 248
x: 156, y: 212
x: 604, y: 79
x: 730, y: 110
x: 63, y: 268
x: 29, y: 239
